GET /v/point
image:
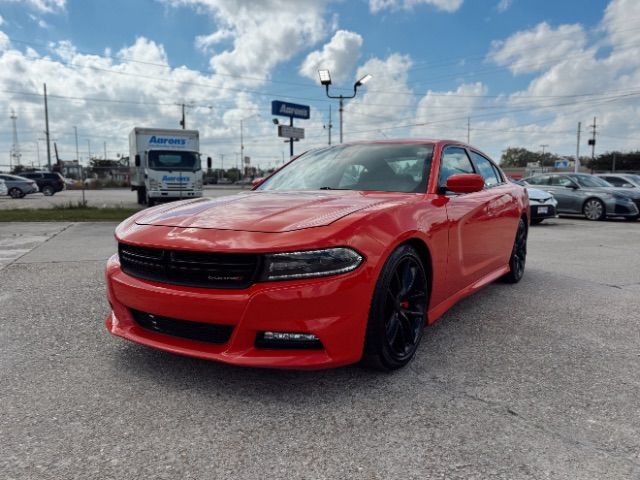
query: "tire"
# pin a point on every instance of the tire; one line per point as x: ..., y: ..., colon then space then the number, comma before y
x: 593, y: 209
x: 398, y: 312
x: 47, y: 190
x: 15, y: 192
x: 149, y: 201
x: 518, y: 257
x: 537, y: 221
x: 141, y: 196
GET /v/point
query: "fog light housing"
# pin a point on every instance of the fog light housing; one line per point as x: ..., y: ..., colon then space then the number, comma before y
x: 287, y: 340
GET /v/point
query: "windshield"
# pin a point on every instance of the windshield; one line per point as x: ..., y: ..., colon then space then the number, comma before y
x: 172, y: 160
x: 373, y: 167
x: 589, y: 181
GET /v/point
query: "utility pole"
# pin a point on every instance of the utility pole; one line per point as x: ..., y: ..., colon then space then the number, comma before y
x: 75, y: 129
x: 183, y: 122
x: 15, y: 148
x: 576, y: 165
x: 46, y: 123
x: 105, y: 150
x: 613, y: 167
x: 544, y: 146
x: 468, y: 129
x: 329, y: 126
x: 221, y: 166
x: 592, y: 142
x: 38, y: 152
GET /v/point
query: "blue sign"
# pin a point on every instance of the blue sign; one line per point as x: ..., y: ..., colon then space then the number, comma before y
x: 562, y: 164
x: 293, y: 110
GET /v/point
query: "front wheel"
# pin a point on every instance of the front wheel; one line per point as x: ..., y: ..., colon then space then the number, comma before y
x: 398, y: 311
x: 593, y: 209
x: 518, y: 255
x: 150, y: 201
x: 16, y: 193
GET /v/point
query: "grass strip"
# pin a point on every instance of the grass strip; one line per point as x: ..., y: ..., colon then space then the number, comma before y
x: 74, y: 214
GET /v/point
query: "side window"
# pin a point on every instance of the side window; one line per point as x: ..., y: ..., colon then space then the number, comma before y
x: 486, y: 169
x: 561, y: 181
x: 454, y: 160
x: 615, y: 181
x: 538, y: 180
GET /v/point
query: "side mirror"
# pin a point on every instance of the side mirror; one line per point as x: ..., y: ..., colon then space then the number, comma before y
x: 137, y: 160
x: 209, y: 163
x: 465, y: 183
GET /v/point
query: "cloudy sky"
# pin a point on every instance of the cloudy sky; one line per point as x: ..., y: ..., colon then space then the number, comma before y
x: 521, y: 72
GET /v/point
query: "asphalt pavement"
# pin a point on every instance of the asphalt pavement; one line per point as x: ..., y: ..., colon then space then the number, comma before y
x: 537, y: 380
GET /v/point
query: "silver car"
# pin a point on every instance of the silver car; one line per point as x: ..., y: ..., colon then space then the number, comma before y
x: 622, y: 180
x: 3, y: 188
x: 591, y: 196
x: 17, y: 186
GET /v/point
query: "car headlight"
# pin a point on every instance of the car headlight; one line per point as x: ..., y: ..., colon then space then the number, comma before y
x: 310, y: 263
x: 153, y: 184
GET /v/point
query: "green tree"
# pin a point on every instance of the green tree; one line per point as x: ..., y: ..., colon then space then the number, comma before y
x: 520, y: 157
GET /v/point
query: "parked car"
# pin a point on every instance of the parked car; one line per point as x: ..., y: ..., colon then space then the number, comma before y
x: 622, y: 180
x: 3, y: 188
x: 591, y: 196
x: 18, y: 187
x: 543, y: 204
x: 344, y: 254
x: 49, y: 183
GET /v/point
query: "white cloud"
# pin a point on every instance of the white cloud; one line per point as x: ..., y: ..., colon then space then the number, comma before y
x: 503, y: 5
x: 263, y: 33
x: 446, y: 5
x: 4, y: 41
x: 533, y: 50
x: 47, y: 6
x: 339, y: 56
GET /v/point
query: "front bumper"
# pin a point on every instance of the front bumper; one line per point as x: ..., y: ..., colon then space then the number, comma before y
x: 335, y: 309
x: 617, y: 208
x: 543, y: 210
x: 174, y: 194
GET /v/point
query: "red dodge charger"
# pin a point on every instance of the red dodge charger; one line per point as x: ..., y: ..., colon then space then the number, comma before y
x: 343, y: 255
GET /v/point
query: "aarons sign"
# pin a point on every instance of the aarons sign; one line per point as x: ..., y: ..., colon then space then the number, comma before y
x: 156, y: 140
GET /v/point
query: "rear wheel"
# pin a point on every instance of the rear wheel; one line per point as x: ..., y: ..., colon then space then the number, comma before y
x: 518, y: 255
x: 48, y: 190
x: 16, y: 193
x: 593, y: 209
x: 398, y: 311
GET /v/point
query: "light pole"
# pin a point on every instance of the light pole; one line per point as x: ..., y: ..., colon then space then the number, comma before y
x: 325, y: 79
x: 84, y: 202
x: 242, y: 136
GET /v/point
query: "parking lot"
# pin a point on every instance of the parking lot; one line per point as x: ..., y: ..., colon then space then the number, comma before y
x: 109, y: 197
x: 534, y: 380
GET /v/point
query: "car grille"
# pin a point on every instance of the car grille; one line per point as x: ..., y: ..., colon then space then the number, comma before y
x: 199, y: 331
x: 195, y: 269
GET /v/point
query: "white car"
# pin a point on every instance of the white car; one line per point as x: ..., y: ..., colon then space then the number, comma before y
x: 543, y: 204
x: 3, y: 188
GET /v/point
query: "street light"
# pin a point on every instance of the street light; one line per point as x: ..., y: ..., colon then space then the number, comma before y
x: 325, y: 79
x: 242, y: 136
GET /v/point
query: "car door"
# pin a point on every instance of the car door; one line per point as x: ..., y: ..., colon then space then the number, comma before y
x: 567, y: 193
x: 470, y: 254
x: 503, y: 213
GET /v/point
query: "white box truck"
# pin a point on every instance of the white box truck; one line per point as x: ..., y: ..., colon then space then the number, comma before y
x: 165, y: 164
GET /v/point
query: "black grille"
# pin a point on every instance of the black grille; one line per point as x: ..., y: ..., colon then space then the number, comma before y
x: 202, y: 332
x: 195, y: 269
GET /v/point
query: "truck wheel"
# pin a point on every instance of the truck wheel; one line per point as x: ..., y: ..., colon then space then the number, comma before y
x: 150, y: 201
x: 141, y: 196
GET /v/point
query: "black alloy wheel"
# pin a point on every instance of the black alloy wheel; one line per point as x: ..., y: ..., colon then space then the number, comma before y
x: 16, y: 193
x: 398, y: 311
x: 518, y: 255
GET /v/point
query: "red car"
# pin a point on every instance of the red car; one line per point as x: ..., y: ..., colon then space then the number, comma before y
x: 342, y: 255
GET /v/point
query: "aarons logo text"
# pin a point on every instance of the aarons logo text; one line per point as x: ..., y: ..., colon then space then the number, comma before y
x: 166, y: 141
x: 173, y: 178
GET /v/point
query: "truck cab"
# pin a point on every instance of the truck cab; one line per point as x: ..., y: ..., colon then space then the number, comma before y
x: 166, y: 164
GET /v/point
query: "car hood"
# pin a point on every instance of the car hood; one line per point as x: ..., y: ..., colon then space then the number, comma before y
x: 537, y: 194
x: 269, y: 212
